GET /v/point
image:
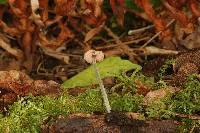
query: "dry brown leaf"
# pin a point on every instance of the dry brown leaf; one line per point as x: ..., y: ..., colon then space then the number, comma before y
x: 118, y: 7
x: 36, y: 17
x: 192, y: 41
x: 93, y: 32
x: 158, y: 94
x: 53, y: 53
x: 15, y: 83
x: 142, y: 89
x: 98, y: 5
x: 66, y: 7
x: 92, y: 12
x: 14, y: 51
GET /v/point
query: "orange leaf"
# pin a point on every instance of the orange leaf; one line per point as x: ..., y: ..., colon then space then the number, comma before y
x: 177, y: 14
x: 93, y: 32
x: 194, y: 8
x: 118, y: 7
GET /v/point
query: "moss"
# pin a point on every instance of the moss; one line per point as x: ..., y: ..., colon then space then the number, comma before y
x: 159, y: 109
x: 28, y: 113
x: 189, y: 125
x: 164, y: 69
x: 126, y: 103
x: 126, y: 84
x: 188, y: 100
x: 89, y: 102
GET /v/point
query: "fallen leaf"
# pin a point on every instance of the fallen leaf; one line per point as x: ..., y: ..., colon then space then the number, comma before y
x: 110, y: 67
x: 93, y: 32
x: 158, y: 94
x: 14, y: 51
x: 15, y: 83
x: 118, y: 8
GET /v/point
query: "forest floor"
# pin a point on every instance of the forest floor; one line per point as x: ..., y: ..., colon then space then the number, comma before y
x: 150, y: 68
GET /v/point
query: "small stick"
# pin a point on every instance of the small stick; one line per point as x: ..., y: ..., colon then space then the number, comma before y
x: 157, y: 34
x: 124, y: 43
x: 131, y: 32
x: 193, y: 117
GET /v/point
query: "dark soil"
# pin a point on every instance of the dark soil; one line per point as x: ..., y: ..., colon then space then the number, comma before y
x: 110, y: 123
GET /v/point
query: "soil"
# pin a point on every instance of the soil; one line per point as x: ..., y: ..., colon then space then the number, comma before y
x: 109, y: 123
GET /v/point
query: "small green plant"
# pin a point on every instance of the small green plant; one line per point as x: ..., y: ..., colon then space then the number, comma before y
x: 27, y: 114
x: 90, y: 101
x: 188, y: 100
x: 163, y: 70
x: 127, y: 83
x: 3, y: 1
x: 189, y: 125
x: 126, y: 103
x: 159, y: 109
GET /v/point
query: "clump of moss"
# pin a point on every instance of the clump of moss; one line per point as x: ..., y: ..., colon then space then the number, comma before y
x: 126, y: 103
x: 89, y: 102
x: 160, y: 109
x: 189, y: 125
x: 188, y: 100
x: 127, y: 84
x: 164, y: 69
x: 28, y: 113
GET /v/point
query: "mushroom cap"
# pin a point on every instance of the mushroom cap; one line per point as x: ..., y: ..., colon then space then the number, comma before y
x: 92, y: 55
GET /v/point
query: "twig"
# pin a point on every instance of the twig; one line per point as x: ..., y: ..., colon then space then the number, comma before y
x: 123, y: 47
x: 193, y: 117
x: 192, y: 129
x: 55, y: 54
x: 157, y: 34
x: 131, y: 32
x: 14, y: 51
x: 124, y: 43
x: 150, y: 50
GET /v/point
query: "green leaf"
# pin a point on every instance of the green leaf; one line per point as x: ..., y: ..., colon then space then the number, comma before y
x: 110, y: 67
x: 3, y: 1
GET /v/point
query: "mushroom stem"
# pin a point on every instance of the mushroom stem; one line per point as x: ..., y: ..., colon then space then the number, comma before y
x: 102, y: 88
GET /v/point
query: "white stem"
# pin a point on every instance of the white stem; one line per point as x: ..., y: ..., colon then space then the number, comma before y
x: 103, y: 90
